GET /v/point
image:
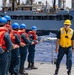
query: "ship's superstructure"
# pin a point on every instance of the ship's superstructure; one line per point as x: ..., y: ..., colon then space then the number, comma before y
x: 30, y: 4
x: 46, y: 18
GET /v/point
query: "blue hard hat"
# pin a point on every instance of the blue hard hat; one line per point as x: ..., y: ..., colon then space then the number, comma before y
x: 15, y: 26
x: 3, y: 20
x: 34, y: 28
x: 7, y: 17
x: 0, y: 19
x: 22, y: 26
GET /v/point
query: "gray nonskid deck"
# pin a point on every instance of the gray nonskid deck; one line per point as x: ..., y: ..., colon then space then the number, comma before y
x: 48, y: 69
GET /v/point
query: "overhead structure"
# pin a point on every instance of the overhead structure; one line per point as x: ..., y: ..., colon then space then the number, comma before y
x: 61, y: 4
x: 10, y: 1
x: 64, y: 3
x: 54, y: 4
x: 30, y: 2
x: 4, y: 3
x: 13, y: 4
x: 73, y: 4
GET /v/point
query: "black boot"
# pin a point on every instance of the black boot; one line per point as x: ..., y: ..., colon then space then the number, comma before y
x: 68, y: 72
x: 23, y: 72
x: 29, y: 65
x: 16, y: 74
x: 56, y: 71
x: 32, y: 66
x: 11, y: 74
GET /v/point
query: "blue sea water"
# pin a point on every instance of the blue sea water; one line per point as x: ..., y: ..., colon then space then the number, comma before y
x: 45, y: 51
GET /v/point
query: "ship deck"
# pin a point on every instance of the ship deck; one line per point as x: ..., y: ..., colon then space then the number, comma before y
x: 48, y: 69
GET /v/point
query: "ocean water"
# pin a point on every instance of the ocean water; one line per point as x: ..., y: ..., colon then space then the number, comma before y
x: 45, y: 50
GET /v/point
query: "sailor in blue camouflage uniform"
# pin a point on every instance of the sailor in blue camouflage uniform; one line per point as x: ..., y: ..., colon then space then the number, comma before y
x: 23, y: 50
x: 5, y: 46
x: 15, y: 55
x: 8, y: 26
x: 31, y: 48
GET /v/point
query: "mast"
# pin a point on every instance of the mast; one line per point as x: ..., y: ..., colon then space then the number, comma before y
x: 13, y: 4
x: 18, y: 2
x: 31, y: 2
x: 54, y: 5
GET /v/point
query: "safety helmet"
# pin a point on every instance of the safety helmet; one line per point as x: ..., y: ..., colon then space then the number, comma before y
x: 0, y: 19
x: 34, y: 28
x: 22, y: 26
x: 7, y: 17
x: 67, y: 22
x: 15, y: 26
x: 3, y: 20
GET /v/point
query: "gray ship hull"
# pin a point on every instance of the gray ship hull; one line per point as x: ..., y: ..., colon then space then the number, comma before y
x: 44, y: 24
x: 51, y: 22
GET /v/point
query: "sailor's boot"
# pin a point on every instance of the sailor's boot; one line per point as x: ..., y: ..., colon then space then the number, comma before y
x: 56, y: 71
x: 32, y: 66
x: 16, y: 74
x: 29, y: 65
x: 68, y: 72
x: 23, y: 72
x: 11, y: 74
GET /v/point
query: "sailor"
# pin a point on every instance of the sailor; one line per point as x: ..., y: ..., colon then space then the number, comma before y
x: 23, y: 50
x: 5, y: 46
x: 15, y: 55
x: 8, y: 26
x: 65, y: 41
x: 31, y: 49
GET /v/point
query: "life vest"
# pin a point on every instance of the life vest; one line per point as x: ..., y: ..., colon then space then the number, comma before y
x: 23, y: 32
x: 33, y: 35
x: 65, y: 38
x: 12, y: 36
x: 8, y: 27
x: 3, y: 30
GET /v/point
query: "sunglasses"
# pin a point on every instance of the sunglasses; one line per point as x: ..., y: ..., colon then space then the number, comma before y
x: 67, y: 25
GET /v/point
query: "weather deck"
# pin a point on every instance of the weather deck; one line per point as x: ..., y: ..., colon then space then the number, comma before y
x: 48, y: 69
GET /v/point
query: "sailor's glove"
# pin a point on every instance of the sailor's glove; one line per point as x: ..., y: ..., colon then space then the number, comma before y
x: 35, y: 41
x: 22, y: 44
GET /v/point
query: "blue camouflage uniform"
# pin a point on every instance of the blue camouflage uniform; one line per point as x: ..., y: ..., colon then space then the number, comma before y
x: 15, y: 58
x: 8, y: 44
x: 15, y: 55
x: 4, y: 56
x: 23, y: 50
